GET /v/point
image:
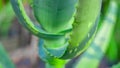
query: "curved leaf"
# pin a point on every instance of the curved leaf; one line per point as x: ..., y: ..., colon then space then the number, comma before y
x: 93, y: 55
x: 27, y: 23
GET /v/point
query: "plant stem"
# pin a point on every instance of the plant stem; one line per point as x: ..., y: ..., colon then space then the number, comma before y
x: 56, y: 64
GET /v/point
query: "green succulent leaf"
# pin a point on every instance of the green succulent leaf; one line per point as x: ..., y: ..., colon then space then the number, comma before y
x: 60, y: 6
x: 93, y: 55
x: 27, y: 23
x: 86, y: 16
x: 73, y: 49
x: 54, y: 15
x: 84, y: 26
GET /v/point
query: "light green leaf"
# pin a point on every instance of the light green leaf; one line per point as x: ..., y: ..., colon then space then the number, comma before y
x: 54, y: 15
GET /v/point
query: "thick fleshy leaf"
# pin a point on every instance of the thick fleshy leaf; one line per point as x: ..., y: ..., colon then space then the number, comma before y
x: 54, y: 15
x: 27, y: 23
x: 84, y: 28
x: 93, y: 55
x: 86, y: 15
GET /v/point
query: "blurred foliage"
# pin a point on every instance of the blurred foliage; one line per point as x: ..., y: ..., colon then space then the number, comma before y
x: 6, y: 17
x: 112, y: 50
x: 1, y: 4
x: 116, y: 66
x: 1, y: 66
x: 4, y: 59
x: 117, y: 32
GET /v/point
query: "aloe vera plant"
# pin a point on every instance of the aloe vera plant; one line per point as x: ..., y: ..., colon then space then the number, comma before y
x: 66, y: 28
